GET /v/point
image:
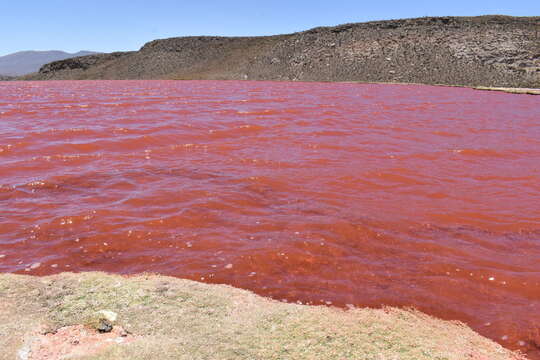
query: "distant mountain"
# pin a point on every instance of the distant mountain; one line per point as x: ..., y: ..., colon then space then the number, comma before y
x: 26, y: 62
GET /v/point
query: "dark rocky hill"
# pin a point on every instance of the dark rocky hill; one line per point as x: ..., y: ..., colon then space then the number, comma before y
x: 475, y: 51
x: 26, y: 62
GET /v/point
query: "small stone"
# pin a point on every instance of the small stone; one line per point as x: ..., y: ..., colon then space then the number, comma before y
x: 104, y: 327
x: 2, y: 256
x: 103, y: 320
x: 228, y: 266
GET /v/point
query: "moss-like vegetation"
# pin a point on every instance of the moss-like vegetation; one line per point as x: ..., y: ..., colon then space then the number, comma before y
x: 180, y: 319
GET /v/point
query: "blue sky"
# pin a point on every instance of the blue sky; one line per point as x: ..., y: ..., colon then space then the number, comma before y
x: 73, y: 25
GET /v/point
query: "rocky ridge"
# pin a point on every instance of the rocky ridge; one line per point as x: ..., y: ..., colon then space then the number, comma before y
x: 498, y: 51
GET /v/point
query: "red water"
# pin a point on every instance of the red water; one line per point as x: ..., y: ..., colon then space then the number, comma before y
x: 315, y: 192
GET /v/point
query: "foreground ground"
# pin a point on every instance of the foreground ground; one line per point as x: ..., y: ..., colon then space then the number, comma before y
x: 167, y: 318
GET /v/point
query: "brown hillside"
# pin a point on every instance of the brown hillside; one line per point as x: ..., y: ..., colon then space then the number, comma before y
x: 475, y: 51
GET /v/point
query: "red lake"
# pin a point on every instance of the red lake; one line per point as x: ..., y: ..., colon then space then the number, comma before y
x: 320, y: 193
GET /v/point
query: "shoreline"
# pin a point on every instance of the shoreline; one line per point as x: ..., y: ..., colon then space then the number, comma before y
x: 509, y: 90
x: 524, y: 91
x: 158, y: 317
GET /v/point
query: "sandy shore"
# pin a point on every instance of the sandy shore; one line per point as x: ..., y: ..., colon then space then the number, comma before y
x: 510, y: 90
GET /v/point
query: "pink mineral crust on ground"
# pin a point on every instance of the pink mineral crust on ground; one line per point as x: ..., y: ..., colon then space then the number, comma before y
x: 71, y: 341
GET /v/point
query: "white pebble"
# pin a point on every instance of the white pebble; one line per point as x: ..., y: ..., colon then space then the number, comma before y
x: 228, y: 266
x: 35, y: 265
x: 491, y: 278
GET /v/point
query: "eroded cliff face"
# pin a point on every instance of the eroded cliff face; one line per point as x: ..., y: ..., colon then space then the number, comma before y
x: 474, y: 51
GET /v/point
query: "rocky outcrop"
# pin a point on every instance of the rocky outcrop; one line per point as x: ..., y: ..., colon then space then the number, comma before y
x: 475, y: 51
x: 80, y: 62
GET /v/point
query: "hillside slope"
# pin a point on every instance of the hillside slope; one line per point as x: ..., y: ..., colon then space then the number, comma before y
x: 26, y: 62
x: 474, y: 51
